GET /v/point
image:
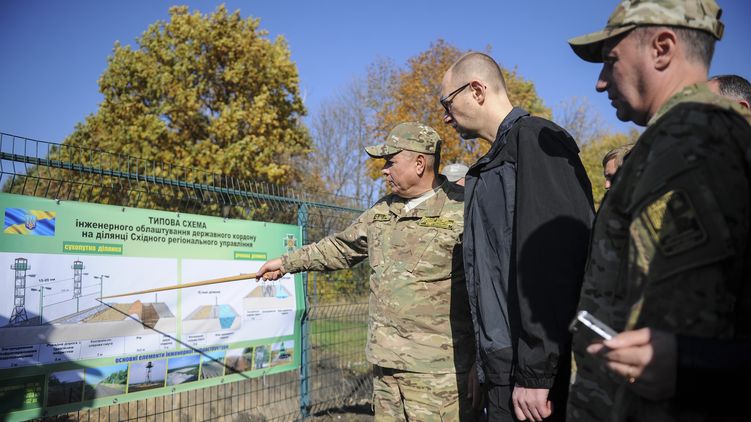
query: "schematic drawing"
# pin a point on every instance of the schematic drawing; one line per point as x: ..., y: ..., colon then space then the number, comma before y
x: 63, y: 308
x: 209, y: 318
x: 269, y: 295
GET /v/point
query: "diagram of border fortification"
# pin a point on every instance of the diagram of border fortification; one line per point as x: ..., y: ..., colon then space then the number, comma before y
x: 55, y: 298
x: 269, y: 295
x: 239, y: 310
x: 210, y: 318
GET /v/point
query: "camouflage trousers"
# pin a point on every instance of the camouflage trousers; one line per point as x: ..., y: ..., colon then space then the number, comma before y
x: 414, y: 396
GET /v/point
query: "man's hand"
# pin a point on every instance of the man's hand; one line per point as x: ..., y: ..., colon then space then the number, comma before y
x: 531, y: 404
x: 271, y: 270
x: 646, y: 358
x: 474, y: 388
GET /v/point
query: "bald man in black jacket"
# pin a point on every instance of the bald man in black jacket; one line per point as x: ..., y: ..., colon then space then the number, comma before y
x: 528, y: 212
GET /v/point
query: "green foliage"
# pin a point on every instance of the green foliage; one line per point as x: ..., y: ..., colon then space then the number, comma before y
x: 592, y: 154
x: 206, y: 92
x: 119, y: 377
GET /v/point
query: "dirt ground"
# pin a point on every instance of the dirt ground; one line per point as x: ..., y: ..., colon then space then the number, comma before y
x: 361, y: 412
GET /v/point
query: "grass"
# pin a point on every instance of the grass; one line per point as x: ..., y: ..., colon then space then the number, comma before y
x: 334, y: 334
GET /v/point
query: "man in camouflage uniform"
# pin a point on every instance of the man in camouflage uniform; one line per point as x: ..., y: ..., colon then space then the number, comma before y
x: 420, y: 336
x: 669, y: 256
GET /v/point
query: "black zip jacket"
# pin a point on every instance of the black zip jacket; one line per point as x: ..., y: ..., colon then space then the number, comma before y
x: 528, y: 213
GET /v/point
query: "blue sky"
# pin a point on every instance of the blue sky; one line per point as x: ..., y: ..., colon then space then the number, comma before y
x: 184, y: 361
x: 53, y: 52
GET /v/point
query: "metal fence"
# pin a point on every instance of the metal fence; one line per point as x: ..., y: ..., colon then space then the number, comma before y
x: 334, y: 372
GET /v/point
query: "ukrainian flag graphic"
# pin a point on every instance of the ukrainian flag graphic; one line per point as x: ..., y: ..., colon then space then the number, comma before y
x: 29, y: 222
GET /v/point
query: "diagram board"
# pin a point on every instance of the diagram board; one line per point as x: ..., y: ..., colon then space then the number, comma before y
x: 90, y: 316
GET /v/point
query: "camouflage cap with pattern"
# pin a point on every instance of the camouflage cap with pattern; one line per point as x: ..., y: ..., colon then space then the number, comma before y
x: 697, y: 14
x: 411, y: 136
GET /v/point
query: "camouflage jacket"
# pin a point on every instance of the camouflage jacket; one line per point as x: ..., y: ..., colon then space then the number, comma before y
x: 419, y: 312
x: 670, y: 248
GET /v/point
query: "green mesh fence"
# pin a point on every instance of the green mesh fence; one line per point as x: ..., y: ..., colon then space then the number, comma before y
x: 334, y: 375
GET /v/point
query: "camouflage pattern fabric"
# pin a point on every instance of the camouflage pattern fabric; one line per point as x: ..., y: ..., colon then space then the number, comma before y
x: 411, y: 136
x: 412, y: 396
x: 669, y: 247
x: 419, y: 311
x: 697, y: 14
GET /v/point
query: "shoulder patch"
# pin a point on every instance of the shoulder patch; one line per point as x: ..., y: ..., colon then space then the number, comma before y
x: 673, y: 223
x: 438, y: 222
x: 381, y: 217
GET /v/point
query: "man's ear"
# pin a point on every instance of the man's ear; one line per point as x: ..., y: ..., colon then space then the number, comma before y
x: 420, y: 162
x: 479, y: 91
x: 664, y: 47
x: 744, y: 104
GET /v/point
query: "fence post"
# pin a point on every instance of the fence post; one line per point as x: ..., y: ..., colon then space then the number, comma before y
x: 302, y: 221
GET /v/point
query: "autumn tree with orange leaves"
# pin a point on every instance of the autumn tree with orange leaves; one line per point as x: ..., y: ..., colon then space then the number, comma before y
x: 411, y: 93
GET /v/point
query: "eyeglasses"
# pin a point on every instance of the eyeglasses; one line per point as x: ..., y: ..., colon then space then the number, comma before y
x: 447, y: 100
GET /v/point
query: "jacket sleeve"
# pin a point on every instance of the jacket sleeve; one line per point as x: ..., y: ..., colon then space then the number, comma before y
x: 338, y: 251
x: 554, y: 216
x: 467, y: 254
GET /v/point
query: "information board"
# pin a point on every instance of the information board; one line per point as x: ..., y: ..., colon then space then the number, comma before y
x: 64, y: 345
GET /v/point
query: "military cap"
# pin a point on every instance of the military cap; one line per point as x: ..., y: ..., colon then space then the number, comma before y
x: 454, y: 172
x: 697, y: 14
x: 411, y: 136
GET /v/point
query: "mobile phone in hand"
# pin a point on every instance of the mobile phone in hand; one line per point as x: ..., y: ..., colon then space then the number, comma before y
x: 594, y: 325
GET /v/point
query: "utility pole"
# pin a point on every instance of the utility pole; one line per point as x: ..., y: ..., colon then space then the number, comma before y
x: 101, y: 278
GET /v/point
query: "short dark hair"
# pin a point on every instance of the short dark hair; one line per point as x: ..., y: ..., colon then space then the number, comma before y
x: 698, y: 44
x: 733, y: 86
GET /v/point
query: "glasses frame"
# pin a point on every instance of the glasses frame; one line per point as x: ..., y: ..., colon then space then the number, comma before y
x: 449, y: 99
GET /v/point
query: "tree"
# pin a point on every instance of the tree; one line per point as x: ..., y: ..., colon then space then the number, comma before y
x: 207, y: 92
x: 412, y: 95
x: 592, y: 154
x: 578, y: 117
x: 340, y: 131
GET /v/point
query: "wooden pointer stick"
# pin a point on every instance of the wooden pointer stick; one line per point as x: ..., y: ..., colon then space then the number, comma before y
x: 182, y: 286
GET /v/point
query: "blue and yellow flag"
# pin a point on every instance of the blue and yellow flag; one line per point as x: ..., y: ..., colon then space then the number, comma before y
x: 29, y: 222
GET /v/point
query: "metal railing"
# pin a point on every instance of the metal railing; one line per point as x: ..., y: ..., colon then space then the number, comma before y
x: 334, y: 372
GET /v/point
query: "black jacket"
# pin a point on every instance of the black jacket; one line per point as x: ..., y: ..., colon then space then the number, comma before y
x: 528, y: 212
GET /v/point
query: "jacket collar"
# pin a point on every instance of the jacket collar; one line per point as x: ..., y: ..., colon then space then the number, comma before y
x: 685, y: 94
x: 698, y: 93
x: 431, y: 207
x: 516, y: 114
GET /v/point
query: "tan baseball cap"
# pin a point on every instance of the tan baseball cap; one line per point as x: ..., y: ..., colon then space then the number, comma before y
x: 697, y: 14
x: 411, y: 136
